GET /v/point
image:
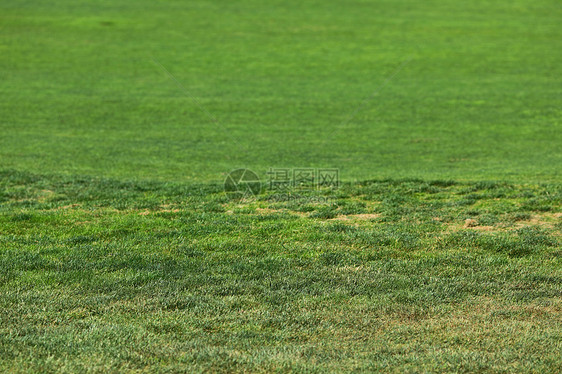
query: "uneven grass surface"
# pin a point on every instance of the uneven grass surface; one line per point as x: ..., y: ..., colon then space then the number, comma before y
x: 291, y: 83
x: 393, y: 275
x: 119, y: 251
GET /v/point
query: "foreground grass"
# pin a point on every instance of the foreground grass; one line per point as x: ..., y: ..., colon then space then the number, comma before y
x: 409, y: 275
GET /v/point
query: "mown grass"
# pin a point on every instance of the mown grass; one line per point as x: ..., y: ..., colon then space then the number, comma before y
x: 145, y: 265
x: 290, y: 83
x: 394, y: 275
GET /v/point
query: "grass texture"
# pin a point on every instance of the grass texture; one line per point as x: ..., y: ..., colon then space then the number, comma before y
x: 102, y: 275
x: 387, y: 89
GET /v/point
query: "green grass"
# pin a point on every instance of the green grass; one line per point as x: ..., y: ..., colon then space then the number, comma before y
x: 479, y: 99
x: 106, y: 275
x: 120, y: 252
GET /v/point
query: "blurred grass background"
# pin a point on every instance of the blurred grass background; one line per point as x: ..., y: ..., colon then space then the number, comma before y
x: 479, y: 98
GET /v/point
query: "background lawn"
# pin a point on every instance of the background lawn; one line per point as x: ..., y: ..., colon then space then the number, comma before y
x: 441, y: 251
x: 479, y: 97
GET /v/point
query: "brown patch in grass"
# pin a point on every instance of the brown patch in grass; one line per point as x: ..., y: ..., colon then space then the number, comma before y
x: 358, y: 217
x: 486, y: 228
x: 268, y: 211
x: 469, y: 222
x: 542, y: 220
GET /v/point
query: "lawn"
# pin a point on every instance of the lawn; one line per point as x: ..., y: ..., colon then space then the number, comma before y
x: 282, y: 84
x: 388, y: 275
x: 441, y: 250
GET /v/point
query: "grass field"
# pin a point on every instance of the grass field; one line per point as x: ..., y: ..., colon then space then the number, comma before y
x: 479, y: 96
x: 440, y: 252
x: 103, y: 275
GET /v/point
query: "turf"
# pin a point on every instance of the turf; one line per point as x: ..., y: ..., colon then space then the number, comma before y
x: 289, y: 83
x: 440, y: 252
x: 103, y: 275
